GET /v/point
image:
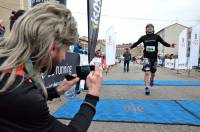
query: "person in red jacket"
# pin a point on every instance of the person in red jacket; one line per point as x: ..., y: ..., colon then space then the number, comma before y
x: 104, y: 65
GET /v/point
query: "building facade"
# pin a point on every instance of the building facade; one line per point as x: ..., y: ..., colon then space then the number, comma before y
x: 101, y: 44
x: 7, y: 6
x: 171, y: 35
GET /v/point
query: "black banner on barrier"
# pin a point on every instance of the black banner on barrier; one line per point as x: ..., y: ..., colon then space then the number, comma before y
x: 94, y: 13
x: 67, y: 67
x: 35, y: 2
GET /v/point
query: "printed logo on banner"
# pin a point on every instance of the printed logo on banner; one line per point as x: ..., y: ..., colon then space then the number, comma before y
x: 67, y: 67
x: 96, y: 14
x: 110, y: 40
x: 195, y: 36
x: 195, y: 42
x: 183, y: 42
x: 194, y: 47
x: 94, y: 11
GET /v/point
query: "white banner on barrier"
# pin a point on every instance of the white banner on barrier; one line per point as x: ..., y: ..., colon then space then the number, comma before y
x: 173, y: 64
x: 182, y: 48
x: 194, y: 47
x: 170, y: 63
x: 180, y: 66
x: 83, y: 60
x: 110, y: 46
x: 167, y: 63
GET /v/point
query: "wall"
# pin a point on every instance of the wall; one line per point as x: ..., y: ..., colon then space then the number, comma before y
x: 6, y: 7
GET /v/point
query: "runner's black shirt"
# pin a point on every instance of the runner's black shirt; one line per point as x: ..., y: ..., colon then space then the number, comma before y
x: 150, y: 42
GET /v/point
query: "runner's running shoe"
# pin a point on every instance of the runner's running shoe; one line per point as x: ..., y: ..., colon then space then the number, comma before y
x: 147, y: 91
x: 152, y: 83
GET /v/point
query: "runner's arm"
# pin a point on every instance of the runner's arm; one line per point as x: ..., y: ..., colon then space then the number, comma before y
x: 163, y: 42
x: 81, y: 120
x: 137, y: 43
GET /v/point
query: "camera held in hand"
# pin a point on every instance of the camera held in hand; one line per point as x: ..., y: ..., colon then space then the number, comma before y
x: 82, y: 73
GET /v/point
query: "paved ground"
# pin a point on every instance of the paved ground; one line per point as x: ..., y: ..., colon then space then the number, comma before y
x: 137, y: 92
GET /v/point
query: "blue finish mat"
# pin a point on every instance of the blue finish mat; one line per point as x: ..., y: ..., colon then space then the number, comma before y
x: 156, y: 82
x: 139, y: 111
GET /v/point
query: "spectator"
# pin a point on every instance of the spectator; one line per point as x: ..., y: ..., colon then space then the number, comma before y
x: 127, y: 59
x: 15, y: 15
x: 36, y: 44
x: 78, y: 49
x: 98, y: 53
x: 171, y: 56
x: 134, y: 59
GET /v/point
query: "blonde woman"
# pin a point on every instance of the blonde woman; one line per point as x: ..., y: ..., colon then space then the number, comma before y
x: 37, y: 43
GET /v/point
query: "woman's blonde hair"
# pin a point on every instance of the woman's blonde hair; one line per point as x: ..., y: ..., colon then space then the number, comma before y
x: 31, y: 38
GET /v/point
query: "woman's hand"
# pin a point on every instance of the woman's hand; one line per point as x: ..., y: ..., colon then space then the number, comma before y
x: 94, y: 82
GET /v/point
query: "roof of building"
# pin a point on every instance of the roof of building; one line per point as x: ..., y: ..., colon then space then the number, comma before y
x: 171, y: 26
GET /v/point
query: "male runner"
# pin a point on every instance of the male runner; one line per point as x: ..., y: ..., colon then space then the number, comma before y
x: 150, y: 41
x: 127, y: 59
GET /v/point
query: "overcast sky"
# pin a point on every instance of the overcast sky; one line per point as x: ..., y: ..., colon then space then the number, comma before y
x: 122, y: 13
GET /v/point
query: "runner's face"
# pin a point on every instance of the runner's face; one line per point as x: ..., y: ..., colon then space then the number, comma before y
x: 150, y: 29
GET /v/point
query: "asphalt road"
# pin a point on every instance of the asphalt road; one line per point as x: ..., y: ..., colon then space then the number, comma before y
x: 137, y: 92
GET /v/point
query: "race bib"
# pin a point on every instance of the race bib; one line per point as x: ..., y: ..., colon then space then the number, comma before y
x: 150, y: 48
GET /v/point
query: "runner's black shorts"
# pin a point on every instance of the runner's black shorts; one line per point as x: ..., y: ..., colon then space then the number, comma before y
x: 150, y: 65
